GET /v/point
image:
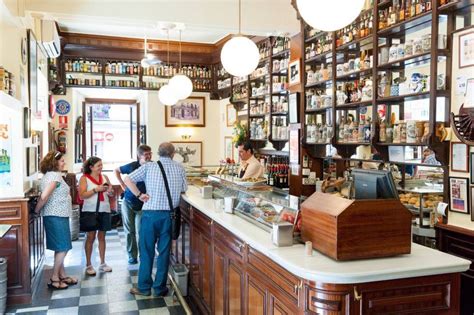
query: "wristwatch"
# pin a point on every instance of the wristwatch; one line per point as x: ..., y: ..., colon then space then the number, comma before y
x: 139, y: 194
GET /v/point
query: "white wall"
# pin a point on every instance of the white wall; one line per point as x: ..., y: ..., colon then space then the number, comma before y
x: 454, y: 218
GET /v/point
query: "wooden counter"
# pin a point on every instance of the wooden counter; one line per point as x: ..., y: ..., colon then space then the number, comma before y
x: 234, y: 269
x: 23, y: 246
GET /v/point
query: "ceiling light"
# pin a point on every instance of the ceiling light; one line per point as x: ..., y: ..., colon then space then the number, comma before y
x: 148, y: 59
x: 181, y: 84
x: 240, y: 55
x: 331, y: 15
x: 167, y: 96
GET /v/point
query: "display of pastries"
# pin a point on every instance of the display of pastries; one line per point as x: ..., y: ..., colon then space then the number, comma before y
x: 429, y: 201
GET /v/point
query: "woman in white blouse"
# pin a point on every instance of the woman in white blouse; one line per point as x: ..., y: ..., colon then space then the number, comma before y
x: 55, y: 206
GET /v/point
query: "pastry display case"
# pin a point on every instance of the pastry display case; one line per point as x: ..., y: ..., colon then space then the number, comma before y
x: 256, y: 202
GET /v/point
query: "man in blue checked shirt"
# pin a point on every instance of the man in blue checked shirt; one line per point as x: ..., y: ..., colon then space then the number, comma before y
x: 155, y: 230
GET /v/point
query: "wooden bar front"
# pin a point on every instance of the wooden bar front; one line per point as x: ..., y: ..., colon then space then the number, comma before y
x: 227, y: 276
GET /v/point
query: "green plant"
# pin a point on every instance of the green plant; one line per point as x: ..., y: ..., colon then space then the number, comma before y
x: 239, y: 133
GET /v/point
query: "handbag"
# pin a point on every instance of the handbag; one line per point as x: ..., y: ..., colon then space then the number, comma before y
x: 89, y: 221
x: 175, y: 213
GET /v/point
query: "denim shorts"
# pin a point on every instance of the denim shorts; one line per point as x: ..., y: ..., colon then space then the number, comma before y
x: 58, y: 235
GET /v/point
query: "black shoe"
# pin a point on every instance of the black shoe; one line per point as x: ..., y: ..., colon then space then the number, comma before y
x: 161, y: 294
x: 132, y: 261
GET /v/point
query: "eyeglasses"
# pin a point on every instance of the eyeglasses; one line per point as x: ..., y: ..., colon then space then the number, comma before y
x: 58, y: 155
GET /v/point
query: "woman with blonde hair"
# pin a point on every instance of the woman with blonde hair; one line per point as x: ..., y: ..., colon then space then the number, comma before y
x: 94, y: 189
x: 55, y: 205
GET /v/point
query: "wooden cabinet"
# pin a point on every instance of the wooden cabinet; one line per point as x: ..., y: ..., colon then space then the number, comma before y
x: 23, y: 246
x: 230, y: 277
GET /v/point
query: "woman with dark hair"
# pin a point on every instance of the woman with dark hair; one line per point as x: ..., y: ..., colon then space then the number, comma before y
x: 94, y: 189
x: 55, y: 205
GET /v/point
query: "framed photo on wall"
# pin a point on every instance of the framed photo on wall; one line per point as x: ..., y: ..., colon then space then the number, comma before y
x: 32, y: 71
x: 231, y: 115
x: 459, y: 194
x: 31, y: 160
x: 27, y: 122
x: 466, y: 50
x: 190, y: 112
x: 472, y: 203
x: 459, y: 157
x: 294, y: 72
x: 293, y: 107
x: 188, y: 153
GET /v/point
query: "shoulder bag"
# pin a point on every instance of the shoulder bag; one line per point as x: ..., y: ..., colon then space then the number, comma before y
x: 175, y: 213
x: 89, y: 221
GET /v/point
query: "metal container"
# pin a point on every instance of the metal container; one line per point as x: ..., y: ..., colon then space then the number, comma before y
x: 282, y: 234
x: 206, y: 192
x: 3, y: 285
x: 74, y: 223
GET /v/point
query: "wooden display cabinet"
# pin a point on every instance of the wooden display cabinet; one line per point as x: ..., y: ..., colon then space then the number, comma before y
x: 227, y: 276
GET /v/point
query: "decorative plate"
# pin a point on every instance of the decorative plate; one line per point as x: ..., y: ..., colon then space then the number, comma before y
x: 63, y: 107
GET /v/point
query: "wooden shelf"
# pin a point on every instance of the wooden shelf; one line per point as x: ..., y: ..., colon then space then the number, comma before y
x: 384, y: 3
x: 317, y: 110
x: 122, y: 87
x: 263, y: 60
x: 308, y: 86
x: 316, y: 143
x: 121, y: 75
x: 85, y: 86
x: 404, y: 97
x: 259, y: 97
x: 407, y: 60
x: 353, y: 143
x: 453, y: 6
x: 361, y: 41
x: 280, y: 140
x: 258, y: 115
x: 261, y: 78
x: 281, y: 72
x: 280, y: 54
x: 406, y: 25
x: 258, y: 140
x: 279, y: 114
x: 317, y: 35
x: 241, y: 83
x: 81, y: 72
x: 157, y: 76
x: 355, y: 74
x: 281, y: 93
x: 354, y: 105
x: 386, y: 144
x: 225, y: 88
x: 239, y: 100
x: 319, y: 57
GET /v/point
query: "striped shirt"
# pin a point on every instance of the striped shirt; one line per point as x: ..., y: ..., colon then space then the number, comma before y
x: 150, y: 173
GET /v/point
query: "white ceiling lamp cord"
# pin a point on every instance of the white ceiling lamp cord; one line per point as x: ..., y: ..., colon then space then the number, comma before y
x: 180, y: 68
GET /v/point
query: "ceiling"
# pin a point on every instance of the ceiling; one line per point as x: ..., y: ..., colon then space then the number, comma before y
x: 205, y: 21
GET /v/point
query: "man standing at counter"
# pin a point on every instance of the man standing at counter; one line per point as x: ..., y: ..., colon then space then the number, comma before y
x: 250, y: 167
x: 155, y: 229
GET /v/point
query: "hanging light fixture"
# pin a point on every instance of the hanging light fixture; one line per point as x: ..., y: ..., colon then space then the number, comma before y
x: 240, y: 55
x: 166, y: 94
x: 180, y: 83
x: 148, y: 59
x: 330, y: 15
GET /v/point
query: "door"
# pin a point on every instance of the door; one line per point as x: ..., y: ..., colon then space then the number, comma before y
x: 219, y: 283
x: 235, y: 286
x: 205, y: 267
x: 278, y: 307
x: 195, y: 259
x: 256, y: 297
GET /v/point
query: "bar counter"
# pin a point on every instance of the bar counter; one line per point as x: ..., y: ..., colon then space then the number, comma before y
x: 228, y: 252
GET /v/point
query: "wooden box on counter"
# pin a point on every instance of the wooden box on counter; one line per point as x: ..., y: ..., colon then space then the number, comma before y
x: 346, y: 229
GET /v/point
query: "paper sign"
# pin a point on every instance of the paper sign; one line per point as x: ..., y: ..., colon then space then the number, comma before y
x: 460, y: 85
x: 441, y: 209
x: 306, y: 171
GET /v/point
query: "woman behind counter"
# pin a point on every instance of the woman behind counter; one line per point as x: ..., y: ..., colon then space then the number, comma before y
x: 56, y: 206
x: 92, y: 189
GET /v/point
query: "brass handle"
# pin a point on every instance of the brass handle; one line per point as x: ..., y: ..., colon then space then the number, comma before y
x: 295, y: 288
x: 241, y: 246
x: 357, y: 296
x: 210, y: 222
x: 300, y: 285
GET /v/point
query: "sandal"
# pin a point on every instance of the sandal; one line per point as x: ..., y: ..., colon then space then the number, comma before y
x: 105, y: 268
x: 57, y: 287
x: 69, y: 280
x: 90, y: 270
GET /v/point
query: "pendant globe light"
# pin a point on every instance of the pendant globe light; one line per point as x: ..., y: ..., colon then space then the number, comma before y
x: 240, y: 55
x: 180, y: 83
x: 167, y: 94
x: 329, y: 15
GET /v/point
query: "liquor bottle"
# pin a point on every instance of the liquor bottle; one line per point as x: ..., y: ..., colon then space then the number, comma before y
x: 401, y: 13
x: 413, y: 9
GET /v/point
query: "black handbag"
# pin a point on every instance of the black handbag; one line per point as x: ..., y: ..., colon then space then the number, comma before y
x: 89, y: 221
x: 175, y: 213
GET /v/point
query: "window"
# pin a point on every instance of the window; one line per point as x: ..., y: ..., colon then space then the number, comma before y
x: 111, y: 130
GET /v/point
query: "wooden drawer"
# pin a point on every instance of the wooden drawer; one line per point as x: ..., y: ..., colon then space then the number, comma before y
x: 325, y: 302
x: 201, y: 222
x: 228, y: 241
x: 462, y: 248
x: 10, y: 211
x: 279, y: 276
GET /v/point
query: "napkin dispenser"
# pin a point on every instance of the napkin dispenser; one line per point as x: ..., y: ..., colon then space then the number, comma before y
x: 282, y: 234
x: 229, y: 204
x: 206, y: 192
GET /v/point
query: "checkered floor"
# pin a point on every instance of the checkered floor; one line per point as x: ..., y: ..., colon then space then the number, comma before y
x: 106, y: 293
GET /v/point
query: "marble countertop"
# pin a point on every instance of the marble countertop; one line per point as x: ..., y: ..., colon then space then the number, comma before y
x: 422, y: 261
x: 4, y: 229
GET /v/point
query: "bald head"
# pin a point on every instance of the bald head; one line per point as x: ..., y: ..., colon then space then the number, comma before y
x: 166, y: 149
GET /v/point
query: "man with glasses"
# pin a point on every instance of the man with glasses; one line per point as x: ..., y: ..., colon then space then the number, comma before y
x: 131, y: 205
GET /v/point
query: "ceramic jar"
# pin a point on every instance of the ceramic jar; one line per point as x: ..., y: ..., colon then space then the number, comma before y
x: 411, y: 131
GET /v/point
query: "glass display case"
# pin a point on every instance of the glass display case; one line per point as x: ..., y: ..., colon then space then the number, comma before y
x: 256, y: 202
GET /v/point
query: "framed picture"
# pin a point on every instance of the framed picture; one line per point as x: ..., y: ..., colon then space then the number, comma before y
x: 459, y: 157
x: 31, y: 160
x: 294, y: 71
x: 189, y: 153
x: 471, y: 161
x: 466, y: 50
x: 459, y: 194
x: 294, y: 146
x: 231, y: 115
x: 472, y: 203
x: 190, y: 112
x: 32, y: 71
x: 293, y: 107
x: 228, y: 148
x: 26, y: 122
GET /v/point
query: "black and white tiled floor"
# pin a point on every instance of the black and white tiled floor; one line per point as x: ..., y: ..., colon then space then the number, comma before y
x: 106, y: 293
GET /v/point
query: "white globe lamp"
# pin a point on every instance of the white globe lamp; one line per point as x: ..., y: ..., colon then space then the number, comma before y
x: 182, y: 86
x: 329, y: 15
x: 167, y: 96
x: 240, y: 56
